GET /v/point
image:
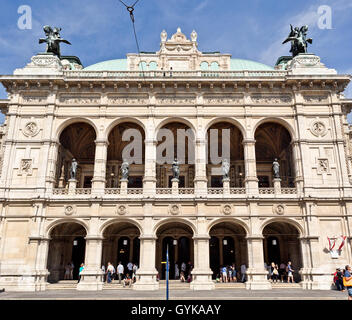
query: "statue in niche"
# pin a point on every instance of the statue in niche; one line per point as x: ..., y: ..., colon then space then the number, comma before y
x: 176, y: 169
x: 225, y: 166
x: 276, y: 169
x: 73, y: 169
x: 299, y: 41
x: 53, y: 40
x: 125, y: 170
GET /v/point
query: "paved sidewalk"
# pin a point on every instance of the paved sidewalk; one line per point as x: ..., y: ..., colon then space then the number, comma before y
x: 219, y: 294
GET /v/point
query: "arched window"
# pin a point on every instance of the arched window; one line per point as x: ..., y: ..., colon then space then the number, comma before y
x: 153, y: 66
x: 204, y: 66
x: 214, y: 66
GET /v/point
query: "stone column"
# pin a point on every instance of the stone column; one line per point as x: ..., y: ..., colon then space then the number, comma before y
x: 149, y: 181
x: 146, y: 274
x: 226, y: 186
x: 299, y: 181
x: 202, y: 274
x: 277, y: 185
x: 175, y: 186
x: 99, y: 179
x: 200, y: 180
x: 123, y: 186
x: 251, y: 180
x: 51, y: 167
x: 92, y: 275
x: 72, y: 184
x: 256, y: 273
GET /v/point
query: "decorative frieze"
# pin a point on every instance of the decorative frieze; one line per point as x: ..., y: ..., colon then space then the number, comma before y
x: 80, y: 100
x: 175, y: 99
x: 313, y: 99
x: 38, y: 99
x: 271, y: 99
x: 128, y: 100
x: 223, y: 99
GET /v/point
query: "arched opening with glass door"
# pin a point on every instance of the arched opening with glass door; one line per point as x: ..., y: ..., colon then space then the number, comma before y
x: 126, y: 140
x: 227, y: 246
x: 67, y: 246
x: 225, y: 142
x: 273, y: 141
x: 121, y: 244
x: 282, y: 244
x: 76, y: 141
x: 175, y: 140
x: 177, y: 237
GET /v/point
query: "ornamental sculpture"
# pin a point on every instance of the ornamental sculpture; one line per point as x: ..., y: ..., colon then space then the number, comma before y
x: 53, y: 40
x: 124, y: 170
x: 276, y: 169
x: 175, y: 170
x: 73, y: 169
x: 299, y: 41
x: 225, y: 167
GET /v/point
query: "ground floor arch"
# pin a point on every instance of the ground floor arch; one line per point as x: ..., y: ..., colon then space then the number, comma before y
x: 227, y: 246
x: 281, y: 244
x: 121, y: 244
x: 178, y: 238
x: 67, y: 245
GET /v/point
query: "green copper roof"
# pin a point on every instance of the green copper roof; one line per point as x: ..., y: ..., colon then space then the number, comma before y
x: 240, y: 64
x: 109, y: 65
x: 235, y: 65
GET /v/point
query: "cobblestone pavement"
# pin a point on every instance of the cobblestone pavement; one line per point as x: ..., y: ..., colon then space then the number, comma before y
x: 219, y: 294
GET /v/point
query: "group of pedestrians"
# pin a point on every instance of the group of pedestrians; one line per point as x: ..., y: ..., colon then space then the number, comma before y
x: 343, y: 280
x: 69, y: 271
x: 228, y: 273
x: 283, y: 273
x: 183, y: 272
x: 125, y: 277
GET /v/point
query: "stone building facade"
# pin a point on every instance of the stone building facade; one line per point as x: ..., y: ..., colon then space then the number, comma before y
x: 57, y: 110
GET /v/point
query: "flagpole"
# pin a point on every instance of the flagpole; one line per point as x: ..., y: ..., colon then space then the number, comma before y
x: 167, y: 272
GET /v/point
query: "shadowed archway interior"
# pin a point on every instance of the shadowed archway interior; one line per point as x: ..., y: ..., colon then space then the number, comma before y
x: 281, y: 244
x: 67, y: 245
x: 76, y: 141
x: 227, y: 246
x: 273, y: 141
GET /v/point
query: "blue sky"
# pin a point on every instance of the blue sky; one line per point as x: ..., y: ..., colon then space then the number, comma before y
x: 248, y: 29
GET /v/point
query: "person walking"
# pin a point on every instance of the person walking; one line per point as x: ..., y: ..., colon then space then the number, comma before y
x: 67, y: 271
x: 275, y: 277
x: 347, y: 281
x: 182, y: 277
x: 81, y: 268
x: 177, y: 271
x: 243, y: 272
x: 224, y: 274
x: 282, y: 271
x: 120, y: 271
x: 72, y: 266
x: 289, y: 272
x: 111, y: 271
x: 134, y: 273
x: 130, y: 268
x: 338, y: 279
x: 234, y: 273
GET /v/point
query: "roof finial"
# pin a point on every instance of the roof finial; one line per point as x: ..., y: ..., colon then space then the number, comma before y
x: 178, y: 30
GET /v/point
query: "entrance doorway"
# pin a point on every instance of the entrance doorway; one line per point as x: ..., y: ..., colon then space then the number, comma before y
x: 67, y: 245
x: 281, y: 244
x: 227, y: 246
x: 178, y: 238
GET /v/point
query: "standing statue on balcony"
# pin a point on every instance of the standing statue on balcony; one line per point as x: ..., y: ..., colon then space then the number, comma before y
x: 225, y: 166
x: 175, y: 169
x: 73, y: 169
x: 276, y: 169
x: 53, y: 40
x: 125, y: 168
x: 299, y: 41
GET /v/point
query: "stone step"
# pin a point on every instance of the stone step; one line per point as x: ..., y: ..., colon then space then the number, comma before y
x: 285, y: 285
